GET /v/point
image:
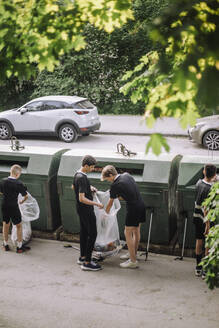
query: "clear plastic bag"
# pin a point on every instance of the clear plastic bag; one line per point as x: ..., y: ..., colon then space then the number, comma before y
x: 29, y: 212
x: 29, y: 209
x: 107, y: 240
x: 26, y: 232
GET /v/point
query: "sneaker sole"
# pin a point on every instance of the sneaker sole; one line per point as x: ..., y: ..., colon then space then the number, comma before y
x: 89, y: 269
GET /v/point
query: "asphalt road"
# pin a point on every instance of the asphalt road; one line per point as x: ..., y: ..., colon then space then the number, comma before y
x: 178, y: 145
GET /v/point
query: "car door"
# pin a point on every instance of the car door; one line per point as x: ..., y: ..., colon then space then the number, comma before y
x: 26, y: 119
x: 53, y: 111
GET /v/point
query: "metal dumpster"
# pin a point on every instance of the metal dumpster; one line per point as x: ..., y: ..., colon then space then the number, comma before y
x: 150, y: 172
x: 190, y: 171
x: 39, y: 174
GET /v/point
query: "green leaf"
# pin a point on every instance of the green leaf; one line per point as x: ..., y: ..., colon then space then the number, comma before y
x: 188, y: 118
x: 156, y: 143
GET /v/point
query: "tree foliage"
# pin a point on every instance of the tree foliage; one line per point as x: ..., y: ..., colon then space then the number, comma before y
x: 95, y: 71
x: 211, y: 261
x: 36, y: 33
x: 182, y: 78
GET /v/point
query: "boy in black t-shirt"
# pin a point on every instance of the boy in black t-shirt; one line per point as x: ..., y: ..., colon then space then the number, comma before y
x: 10, y: 188
x: 202, y: 228
x: 125, y: 187
x: 85, y: 209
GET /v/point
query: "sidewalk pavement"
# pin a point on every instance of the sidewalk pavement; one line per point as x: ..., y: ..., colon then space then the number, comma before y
x: 44, y: 287
x: 135, y: 125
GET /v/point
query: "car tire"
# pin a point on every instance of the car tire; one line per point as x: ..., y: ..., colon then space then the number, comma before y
x: 67, y: 133
x: 86, y: 134
x: 211, y: 140
x: 5, y: 131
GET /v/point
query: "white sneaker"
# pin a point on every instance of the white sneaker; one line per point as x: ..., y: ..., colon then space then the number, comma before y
x: 125, y: 256
x: 129, y: 264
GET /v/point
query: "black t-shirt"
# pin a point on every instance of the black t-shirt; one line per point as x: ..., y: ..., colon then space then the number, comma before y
x: 11, y: 188
x: 125, y: 187
x: 82, y: 185
x: 202, y: 191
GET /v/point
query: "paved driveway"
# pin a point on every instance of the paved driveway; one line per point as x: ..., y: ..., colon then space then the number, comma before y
x: 46, y: 288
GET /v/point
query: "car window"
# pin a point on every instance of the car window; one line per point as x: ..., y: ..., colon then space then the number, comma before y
x: 34, y: 106
x: 51, y: 105
x: 84, y: 104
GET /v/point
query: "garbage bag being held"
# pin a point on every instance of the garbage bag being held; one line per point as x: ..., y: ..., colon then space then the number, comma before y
x: 29, y: 212
x: 107, y: 225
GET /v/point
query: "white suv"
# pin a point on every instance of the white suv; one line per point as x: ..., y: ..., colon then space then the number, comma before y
x: 64, y: 116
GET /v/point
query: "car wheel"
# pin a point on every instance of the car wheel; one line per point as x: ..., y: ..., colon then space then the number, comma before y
x: 86, y: 134
x: 67, y: 133
x: 5, y: 131
x: 211, y: 140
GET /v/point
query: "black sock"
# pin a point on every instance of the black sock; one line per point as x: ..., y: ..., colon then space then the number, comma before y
x: 198, y: 258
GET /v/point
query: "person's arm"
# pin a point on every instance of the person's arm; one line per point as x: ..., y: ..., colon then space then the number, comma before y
x: 207, y: 224
x: 23, y: 191
x: 87, y: 201
x: 24, y: 199
x: 109, y: 205
x: 72, y: 187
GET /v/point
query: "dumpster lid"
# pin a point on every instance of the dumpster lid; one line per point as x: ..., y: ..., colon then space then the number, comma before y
x: 191, y: 168
x: 36, y: 160
x: 154, y: 168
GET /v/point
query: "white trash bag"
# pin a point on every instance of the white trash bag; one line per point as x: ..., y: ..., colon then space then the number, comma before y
x: 107, y: 241
x: 29, y: 209
x: 29, y: 212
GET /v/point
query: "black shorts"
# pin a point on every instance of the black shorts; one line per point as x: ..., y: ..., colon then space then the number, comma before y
x: 136, y: 213
x: 11, y: 213
x: 200, y: 228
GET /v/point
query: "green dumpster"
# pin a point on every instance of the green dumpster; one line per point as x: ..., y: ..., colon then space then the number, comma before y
x: 39, y: 174
x: 151, y: 174
x: 190, y: 171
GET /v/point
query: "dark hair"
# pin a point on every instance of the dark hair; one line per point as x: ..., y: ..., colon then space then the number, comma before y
x: 210, y: 170
x: 89, y: 160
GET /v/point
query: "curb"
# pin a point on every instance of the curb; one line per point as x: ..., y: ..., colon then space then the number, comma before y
x: 141, y: 134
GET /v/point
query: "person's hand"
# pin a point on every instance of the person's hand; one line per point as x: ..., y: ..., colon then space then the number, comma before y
x: 100, y: 205
x: 93, y: 189
x: 105, y: 215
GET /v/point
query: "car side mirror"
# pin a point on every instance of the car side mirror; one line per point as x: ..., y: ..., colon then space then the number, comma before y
x: 23, y: 110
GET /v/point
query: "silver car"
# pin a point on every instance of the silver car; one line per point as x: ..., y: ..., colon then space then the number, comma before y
x: 206, y: 132
x: 66, y: 117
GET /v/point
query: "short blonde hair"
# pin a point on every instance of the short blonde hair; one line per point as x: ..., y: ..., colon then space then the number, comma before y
x: 15, y: 169
x: 108, y: 171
